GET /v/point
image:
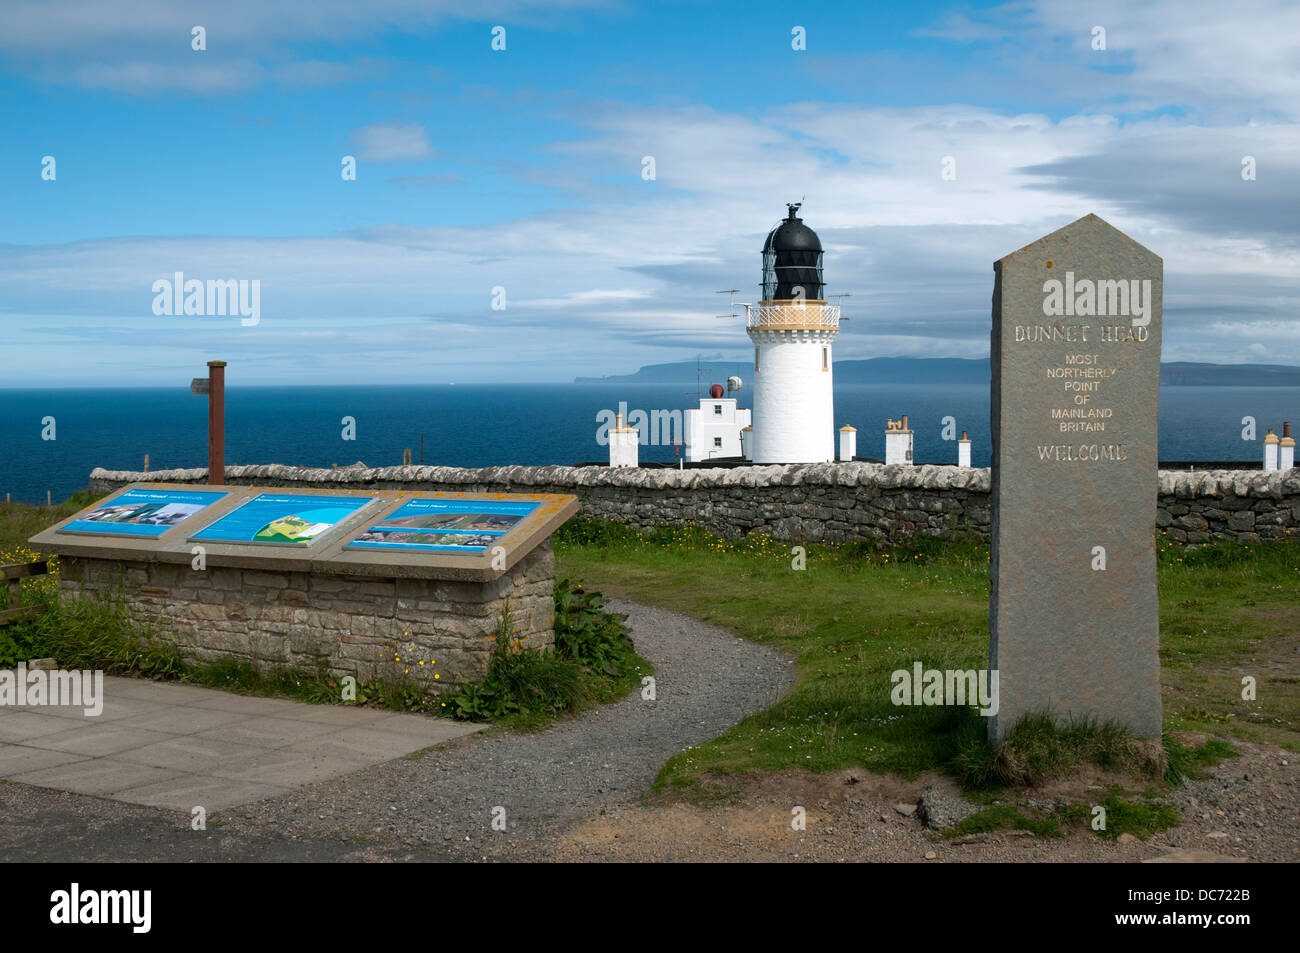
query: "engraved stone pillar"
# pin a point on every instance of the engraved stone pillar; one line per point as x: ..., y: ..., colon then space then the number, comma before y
x: 1073, y: 615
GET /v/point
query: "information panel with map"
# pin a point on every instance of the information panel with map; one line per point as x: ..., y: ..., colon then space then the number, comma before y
x: 282, y: 519
x: 468, y: 526
x: 148, y: 513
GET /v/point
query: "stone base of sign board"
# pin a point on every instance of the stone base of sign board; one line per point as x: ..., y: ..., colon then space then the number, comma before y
x: 367, y: 627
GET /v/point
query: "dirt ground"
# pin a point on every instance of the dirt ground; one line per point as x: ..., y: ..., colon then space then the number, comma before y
x: 1245, y: 809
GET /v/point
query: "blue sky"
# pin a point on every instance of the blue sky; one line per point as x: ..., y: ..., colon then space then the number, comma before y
x: 521, y: 169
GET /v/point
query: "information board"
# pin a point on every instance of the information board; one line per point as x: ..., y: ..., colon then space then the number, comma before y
x: 148, y: 513
x: 469, y: 526
x: 282, y: 519
x: 361, y: 532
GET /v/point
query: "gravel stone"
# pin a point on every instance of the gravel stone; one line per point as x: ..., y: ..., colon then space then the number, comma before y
x: 940, y: 810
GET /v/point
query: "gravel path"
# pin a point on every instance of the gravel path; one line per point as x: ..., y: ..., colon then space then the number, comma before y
x: 440, y: 806
x: 706, y: 681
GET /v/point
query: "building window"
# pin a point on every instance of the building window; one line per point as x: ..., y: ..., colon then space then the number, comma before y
x: 717, y: 441
x: 717, y: 408
x: 755, y: 360
x: 826, y: 352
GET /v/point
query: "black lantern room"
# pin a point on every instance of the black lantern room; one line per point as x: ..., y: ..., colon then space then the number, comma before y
x: 792, y: 261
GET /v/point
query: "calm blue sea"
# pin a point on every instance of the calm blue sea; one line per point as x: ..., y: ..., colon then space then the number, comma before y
x: 484, y: 425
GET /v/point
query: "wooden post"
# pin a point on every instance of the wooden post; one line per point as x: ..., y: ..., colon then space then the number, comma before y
x: 217, y: 423
x: 13, y: 574
x: 421, y: 449
x: 146, y: 463
x: 406, y: 457
x: 47, y: 498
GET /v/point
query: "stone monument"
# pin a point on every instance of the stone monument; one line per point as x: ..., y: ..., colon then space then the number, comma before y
x: 1073, y: 613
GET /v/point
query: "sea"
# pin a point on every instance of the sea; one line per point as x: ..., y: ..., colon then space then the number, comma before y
x: 495, y: 424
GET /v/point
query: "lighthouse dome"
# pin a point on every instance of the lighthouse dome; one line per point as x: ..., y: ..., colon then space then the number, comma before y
x: 792, y: 261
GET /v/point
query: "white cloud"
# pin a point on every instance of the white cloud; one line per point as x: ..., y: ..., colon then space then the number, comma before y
x: 1212, y: 58
x: 628, y: 273
x: 961, y: 29
x: 144, y: 46
x: 193, y: 76
x: 594, y: 296
x: 392, y: 142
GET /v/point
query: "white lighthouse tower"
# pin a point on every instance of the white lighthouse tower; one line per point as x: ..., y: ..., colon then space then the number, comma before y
x: 792, y: 329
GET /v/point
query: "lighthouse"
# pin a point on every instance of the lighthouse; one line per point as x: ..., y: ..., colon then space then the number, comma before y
x: 793, y: 329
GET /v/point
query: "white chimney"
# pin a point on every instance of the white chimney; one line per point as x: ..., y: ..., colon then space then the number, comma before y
x: 1271, y: 446
x: 848, y: 443
x: 1286, y: 448
x: 624, y: 445
x: 963, y: 450
x: 898, y: 441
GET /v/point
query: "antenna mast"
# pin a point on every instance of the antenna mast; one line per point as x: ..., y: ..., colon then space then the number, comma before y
x: 839, y: 303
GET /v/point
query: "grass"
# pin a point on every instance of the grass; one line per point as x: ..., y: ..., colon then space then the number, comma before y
x: 1006, y: 817
x: 859, y: 611
x: 1133, y: 817
x: 1190, y: 762
x: 1122, y: 816
x: 593, y: 663
x: 1038, y: 749
x: 19, y: 522
x: 320, y: 688
x: 1229, y: 611
x: 86, y: 634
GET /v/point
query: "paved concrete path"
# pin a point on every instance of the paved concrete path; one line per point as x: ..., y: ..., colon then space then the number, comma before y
x: 169, y: 745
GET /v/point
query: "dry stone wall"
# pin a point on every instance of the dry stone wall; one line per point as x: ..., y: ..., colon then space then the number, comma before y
x: 368, y: 627
x: 831, y: 502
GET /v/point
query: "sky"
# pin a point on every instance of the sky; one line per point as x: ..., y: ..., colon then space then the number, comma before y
x: 503, y: 224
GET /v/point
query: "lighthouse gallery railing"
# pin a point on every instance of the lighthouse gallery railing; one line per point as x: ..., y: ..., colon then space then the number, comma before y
x: 794, y: 314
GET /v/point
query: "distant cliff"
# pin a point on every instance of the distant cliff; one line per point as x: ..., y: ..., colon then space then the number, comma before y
x: 1230, y: 375
x: 952, y: 370
x: 681, y: 373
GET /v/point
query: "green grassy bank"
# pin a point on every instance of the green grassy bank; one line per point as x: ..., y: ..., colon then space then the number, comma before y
x: 855, y: 613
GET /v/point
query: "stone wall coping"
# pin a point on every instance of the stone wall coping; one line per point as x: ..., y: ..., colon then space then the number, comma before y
x: 1274, y: 484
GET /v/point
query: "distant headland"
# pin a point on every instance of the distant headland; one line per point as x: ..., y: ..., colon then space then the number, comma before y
x: 953, y: 370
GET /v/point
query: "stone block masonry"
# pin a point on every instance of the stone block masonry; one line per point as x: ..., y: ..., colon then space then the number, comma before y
x: 829, y: 502
x: 352, y: 625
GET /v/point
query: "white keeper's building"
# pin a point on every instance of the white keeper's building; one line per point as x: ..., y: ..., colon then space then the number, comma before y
x: 713, y: 429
